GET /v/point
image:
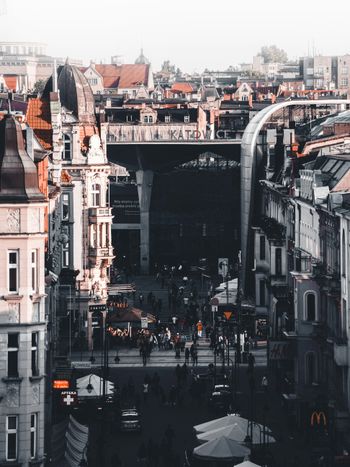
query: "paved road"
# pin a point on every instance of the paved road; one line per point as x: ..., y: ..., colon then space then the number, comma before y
x: 156, y: 416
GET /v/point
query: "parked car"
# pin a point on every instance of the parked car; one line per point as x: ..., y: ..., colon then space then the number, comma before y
x: 130, y: 420
x: 220, y: 397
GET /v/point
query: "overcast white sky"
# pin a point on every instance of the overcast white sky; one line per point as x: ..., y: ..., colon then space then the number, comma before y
x: 192, y: 34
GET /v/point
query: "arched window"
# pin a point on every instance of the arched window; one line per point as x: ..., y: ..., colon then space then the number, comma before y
x: 67, y: 149
x: 96, y: 194
x: 310, y: 368
x: 310, y: 306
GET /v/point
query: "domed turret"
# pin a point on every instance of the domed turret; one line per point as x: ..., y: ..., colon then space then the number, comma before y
x: 141, y: 59
x: 18, y: 173
x: 76, y: 94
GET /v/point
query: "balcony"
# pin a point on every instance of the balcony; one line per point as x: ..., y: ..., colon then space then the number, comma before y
x: 272, y: 228
x: 340, y: 349
x: 100, y: 215
x: 101, y: 252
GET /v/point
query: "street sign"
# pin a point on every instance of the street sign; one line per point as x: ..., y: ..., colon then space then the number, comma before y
x: 100, y: 308
x: 223, y: 267
x: 144, y: 322
x: 318, y: 418
x: 81, y: 365
x: 214, y: 301
x: 214, y: 308
x: 60, y: 384
x: 69, y: 398
x: 228, y: 314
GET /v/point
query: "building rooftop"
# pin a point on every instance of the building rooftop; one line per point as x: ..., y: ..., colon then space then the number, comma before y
x: 18, y: 173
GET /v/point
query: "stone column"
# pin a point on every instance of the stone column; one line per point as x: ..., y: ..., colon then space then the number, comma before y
x: 144, y: 180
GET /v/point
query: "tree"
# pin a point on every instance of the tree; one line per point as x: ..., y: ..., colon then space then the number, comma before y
x: 39, y: 86
x: 272, y: 54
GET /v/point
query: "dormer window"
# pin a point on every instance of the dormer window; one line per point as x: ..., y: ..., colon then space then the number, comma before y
x: 186, y: 119
x: 129, y: 118
x: 148, y: 119
x: 167, y: 119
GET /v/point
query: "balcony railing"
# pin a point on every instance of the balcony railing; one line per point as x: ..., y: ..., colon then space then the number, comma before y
x: 101, y: 252
x: 100, y: 212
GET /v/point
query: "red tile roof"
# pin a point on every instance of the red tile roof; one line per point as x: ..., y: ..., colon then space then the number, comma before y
x: 11, y: 82
x: 110, y: 75
x: 39, y: 119
x: 133, y: 75
x: 182, y: 87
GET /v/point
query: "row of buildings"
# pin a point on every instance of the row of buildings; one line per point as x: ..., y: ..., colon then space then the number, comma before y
x: 24, y: 67
x: 301, y: 245
x: 56, y: 250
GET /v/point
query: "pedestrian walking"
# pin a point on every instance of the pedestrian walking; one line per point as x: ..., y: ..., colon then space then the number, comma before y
x: 187, y: 355
x: 140, y: 299
x: 195, y: 357
x: 264, y: 383
x: 145, y: 390
x: 144, y: 356
x: 199, y: 328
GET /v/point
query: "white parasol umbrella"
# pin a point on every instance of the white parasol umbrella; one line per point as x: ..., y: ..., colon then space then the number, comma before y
x: 223, y: 422
x: 247, y: 464
x: 91, y: 386
x: 221, y: 449
x: 237, y: 433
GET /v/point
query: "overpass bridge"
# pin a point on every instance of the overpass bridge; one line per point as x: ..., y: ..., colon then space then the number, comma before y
x: 159, y: 156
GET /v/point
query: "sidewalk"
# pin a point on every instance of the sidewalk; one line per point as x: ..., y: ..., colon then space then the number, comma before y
x: 160, y: 358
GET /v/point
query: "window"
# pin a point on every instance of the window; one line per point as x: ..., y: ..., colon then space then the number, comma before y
x: 96, y: 194
x: 35, y: 339
x: 344, y: 82
x: 278, y: 261
x: 129, y: 118
x: 11, y: 437
x: 148, y: 119
x: 67, y: 149
x: 186, y: 119
x: 204, y: 230
x: 167, y: 119
x: 12, y: 355
x: 33, y: 267
x: 92, y: 81
x: 262, y: 247
x: 310, y: 306
x: 65, y: 207
x: 345, y: 70
x: 262, y: 292
x: 33, y: 435
x: 310, y: 368
x: 65, y: 255
x: 13, y: 271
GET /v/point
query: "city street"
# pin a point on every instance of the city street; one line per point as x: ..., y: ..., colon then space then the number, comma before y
x: 156, y: 415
